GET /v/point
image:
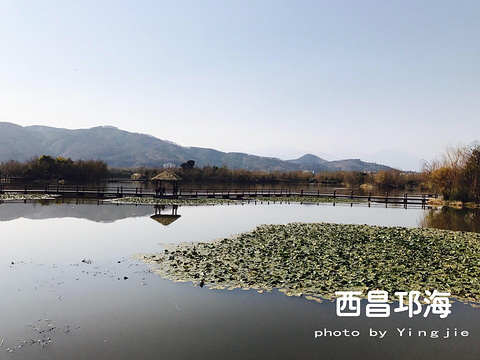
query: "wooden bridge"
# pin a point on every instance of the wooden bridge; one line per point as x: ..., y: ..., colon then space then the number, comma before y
x: 102, y: 192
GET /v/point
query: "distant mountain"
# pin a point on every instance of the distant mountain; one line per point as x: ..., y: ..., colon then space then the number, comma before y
x: 119, y: 148
x: 398, y: 159
x: 312, y: 162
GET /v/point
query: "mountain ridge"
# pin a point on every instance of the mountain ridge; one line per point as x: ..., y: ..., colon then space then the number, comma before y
x: 120, y: 148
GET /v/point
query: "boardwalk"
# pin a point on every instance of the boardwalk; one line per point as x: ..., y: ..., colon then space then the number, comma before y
x: 238, y: 194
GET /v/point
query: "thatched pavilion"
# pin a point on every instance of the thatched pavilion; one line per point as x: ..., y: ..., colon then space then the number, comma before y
x: 167, y: 177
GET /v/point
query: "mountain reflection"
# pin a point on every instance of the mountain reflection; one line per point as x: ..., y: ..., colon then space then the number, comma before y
x: 93, y: 211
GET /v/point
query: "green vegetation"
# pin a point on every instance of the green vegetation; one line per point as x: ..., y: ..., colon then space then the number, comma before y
x: 306, y: 199
x: 49, y: 168
x: 159, y: 201
x: 20, y: 196
x: 214, y: 201
x: 318, y: 259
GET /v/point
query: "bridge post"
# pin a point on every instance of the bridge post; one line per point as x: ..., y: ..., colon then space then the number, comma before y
x: 334, y: 194
x: 351, y: 194
x: 369, y: 196
x: 386, y: 197
x: 301, y: 192
x: 405, y: 198
x: 25, y: 189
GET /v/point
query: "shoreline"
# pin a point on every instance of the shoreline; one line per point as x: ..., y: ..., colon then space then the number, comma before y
x: 439, y: 203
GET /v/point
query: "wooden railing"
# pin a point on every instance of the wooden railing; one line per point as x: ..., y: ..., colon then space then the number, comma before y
x: 122, y: 191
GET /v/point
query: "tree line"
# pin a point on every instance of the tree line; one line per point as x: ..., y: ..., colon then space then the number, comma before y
x: 49, y: 168
x: 213, y: 174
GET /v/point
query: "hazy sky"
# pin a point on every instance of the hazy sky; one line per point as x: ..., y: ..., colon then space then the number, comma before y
x: 279, y: 78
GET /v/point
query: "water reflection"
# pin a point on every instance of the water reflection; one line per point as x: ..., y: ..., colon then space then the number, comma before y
x: 103, y: 212
x: 452, y: 219
x: 106, y: 212
x: 163, y: 216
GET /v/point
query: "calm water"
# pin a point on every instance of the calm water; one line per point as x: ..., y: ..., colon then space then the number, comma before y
x: 66, y: 275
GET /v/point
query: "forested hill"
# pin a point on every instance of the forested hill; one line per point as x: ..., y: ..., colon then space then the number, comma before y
x: 119, y: 148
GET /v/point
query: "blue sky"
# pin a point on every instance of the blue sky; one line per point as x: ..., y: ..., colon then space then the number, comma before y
x: 341, y: 79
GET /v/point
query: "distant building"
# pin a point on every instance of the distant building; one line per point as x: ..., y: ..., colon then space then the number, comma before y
x: 169, y: 166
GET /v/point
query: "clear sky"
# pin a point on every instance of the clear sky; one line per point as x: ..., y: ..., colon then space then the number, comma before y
x: 352, y: 79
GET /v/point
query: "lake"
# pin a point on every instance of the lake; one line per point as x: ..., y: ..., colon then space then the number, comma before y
x: 70, y: 289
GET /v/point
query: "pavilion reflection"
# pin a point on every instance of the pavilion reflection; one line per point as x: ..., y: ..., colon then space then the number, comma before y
x: 165, y: 214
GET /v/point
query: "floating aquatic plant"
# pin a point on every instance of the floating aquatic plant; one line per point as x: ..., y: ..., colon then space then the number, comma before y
x: 318, y: 259
x: 215, y: 201
x: 305, y: 199
x: 164, y: 201
x: 20, y: 196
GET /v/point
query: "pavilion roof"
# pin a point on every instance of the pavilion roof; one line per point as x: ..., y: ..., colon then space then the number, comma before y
x: 165, y: 219
x: 167, y: 175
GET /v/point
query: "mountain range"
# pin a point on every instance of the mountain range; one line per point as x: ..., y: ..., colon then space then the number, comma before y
x: 119, y: 148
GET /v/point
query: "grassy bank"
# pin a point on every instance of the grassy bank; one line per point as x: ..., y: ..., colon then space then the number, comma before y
x: 316, y: 260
